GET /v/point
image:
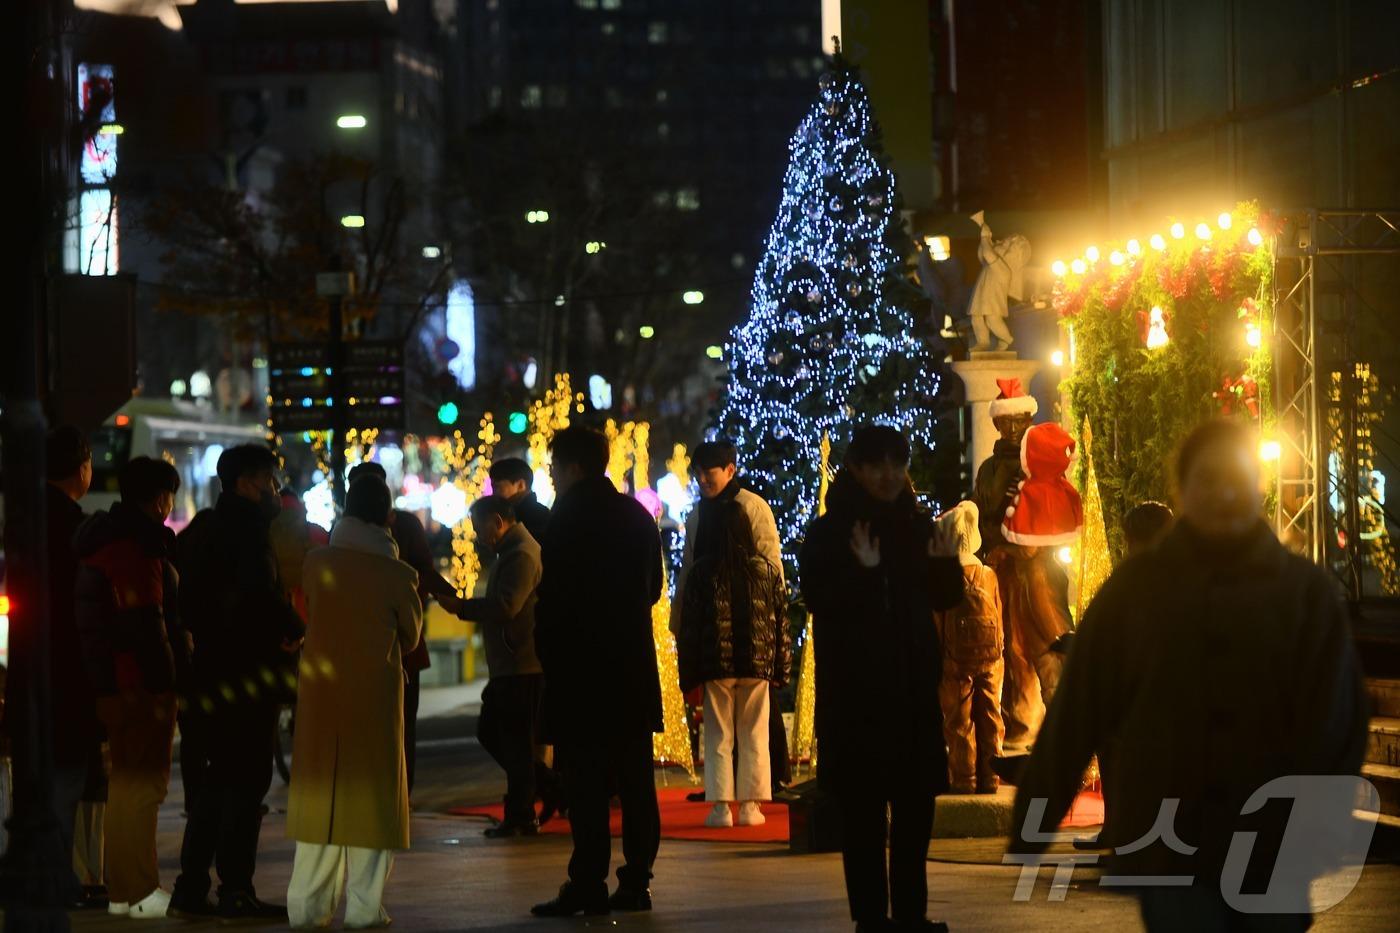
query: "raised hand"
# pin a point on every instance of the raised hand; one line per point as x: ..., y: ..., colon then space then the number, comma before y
x: 865, y: 548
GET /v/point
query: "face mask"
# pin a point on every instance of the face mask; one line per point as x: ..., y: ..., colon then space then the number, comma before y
x: 270, y: 505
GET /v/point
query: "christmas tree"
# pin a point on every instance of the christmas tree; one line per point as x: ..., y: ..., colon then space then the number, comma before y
x: 829, y: 340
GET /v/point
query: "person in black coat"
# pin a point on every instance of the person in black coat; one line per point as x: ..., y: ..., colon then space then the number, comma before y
x: 512, y: 478
x: 77, y: 732
x: 245, y: 634
x: 593, y: 635
x: 873, y: 573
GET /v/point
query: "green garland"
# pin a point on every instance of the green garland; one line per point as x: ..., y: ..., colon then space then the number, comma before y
x: 1141, y: 402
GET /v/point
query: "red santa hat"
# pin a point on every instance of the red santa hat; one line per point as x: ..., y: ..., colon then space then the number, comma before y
x: 1047, y: 509
x: 1013, y: 400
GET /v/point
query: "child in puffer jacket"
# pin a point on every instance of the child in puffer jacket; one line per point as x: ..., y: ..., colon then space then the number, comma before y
x: 971, y: 634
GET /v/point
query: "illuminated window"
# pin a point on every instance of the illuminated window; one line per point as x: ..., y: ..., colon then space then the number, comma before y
x: 656, y: 33
x: 531, y: 96
x: 688, y: 199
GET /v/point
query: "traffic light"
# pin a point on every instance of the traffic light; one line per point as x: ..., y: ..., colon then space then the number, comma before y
x: 519, y: 422
x: 447, y: 413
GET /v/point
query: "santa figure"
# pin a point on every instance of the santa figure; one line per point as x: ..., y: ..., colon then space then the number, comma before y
x: 1034, y: 586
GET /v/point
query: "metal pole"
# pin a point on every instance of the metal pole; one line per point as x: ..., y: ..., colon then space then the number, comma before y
x: 340, y: 409
x: 37, y: 870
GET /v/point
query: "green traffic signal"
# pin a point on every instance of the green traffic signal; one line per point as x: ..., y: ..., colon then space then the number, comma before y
x: 518, y: 423
x: 447, y: 413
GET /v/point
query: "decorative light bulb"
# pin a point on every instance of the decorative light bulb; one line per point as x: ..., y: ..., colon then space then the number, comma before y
x: 1057, y: 358
x: 1058, y: 267
x: 1116, y: 258
x: 1202, y: 231
x: 1270, y: 451
x: 1078, y: 266
x: 1255, y: 237
x: 1092, y: 254
x: 1158, y: 243
x: 1224, y: 220
x: 1253, y: 335
x: 1134, y: 248
x: 1178, y: 230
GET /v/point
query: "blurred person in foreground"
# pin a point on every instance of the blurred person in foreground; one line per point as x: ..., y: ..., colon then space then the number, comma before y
x: 348, y: 804
x: 1204, y: 669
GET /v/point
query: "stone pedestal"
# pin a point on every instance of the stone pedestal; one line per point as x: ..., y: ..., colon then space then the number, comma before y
x: 979, y: 376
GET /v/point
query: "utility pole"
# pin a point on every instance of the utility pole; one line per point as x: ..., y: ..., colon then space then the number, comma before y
x: 335, y: 286
x: 37, y: 872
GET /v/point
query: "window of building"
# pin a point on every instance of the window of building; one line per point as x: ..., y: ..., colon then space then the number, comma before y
x: 296, y: 97
x: 656, y: 33
x: 586, y: 4
x: 612, y: 4
x: 688, y: 199
x: 531, y: 96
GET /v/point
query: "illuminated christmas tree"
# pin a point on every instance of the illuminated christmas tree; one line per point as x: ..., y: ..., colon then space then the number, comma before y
x: 829, y: 342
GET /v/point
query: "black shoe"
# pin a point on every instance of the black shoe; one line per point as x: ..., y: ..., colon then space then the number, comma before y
x: 549, y: 805
x: 511, y: 828
x: 246, y: 906
x: 696, y: 796
x: 572, y: 901
x: 189, y: 908
x: 630, y: 900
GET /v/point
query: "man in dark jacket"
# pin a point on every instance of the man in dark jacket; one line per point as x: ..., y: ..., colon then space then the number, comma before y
x: 245, y: 634
x: 131, y: 639
x: 77, y: 733
x: 593, y: 635
x: 512, y: 478
x: 873, y: 574
x: 509, y: 727
x: 412, y: 540
x: 1203, y: 669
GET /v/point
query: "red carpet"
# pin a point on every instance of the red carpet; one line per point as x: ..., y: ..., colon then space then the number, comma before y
x: 680, y: 819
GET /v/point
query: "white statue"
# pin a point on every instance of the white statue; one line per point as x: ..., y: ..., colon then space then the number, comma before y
x: 1002, y: 262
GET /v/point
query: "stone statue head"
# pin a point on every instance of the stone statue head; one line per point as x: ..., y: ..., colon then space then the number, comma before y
x: 1013, y: 427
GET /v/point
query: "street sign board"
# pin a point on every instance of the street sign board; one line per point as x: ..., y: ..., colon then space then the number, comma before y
x: 300, y: 380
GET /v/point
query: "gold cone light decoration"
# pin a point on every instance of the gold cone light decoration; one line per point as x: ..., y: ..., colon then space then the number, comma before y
x: 1092, y: 560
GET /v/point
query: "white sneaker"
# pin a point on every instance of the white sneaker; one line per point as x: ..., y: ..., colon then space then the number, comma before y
x: 720, y: 816
x: 751, y: 814
x: 118, y: 908
x: 151, y: 907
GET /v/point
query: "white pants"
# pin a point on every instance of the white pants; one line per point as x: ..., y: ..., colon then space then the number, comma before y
x: 319, y: 878
x: 737, y: 710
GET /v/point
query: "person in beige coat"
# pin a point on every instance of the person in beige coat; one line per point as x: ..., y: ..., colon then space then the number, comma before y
x: 348, y: 806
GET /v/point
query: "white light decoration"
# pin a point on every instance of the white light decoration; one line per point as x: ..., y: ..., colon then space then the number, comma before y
x: 677, y: 497
x: 1178, y: 230
x: 1065, y: 555
x: 1252, y: 335
x: 1092, y: 254
x: 800, y: 366
x: 593, y: 247
x: 693, y: 297
x: 1156, y: 330
x: 1134, y: 248
x: 1079, y: 266
x: 201, y: 386
x: 320, y: 505
x: 461, y: 330
x: 714, y: 352
x: 448, y: 505
x: 1116, y: 258
x: 646, y: 332
x: 1224, y: 221
x: 531, y: 375
x: 351, y: 121
x: 1158, y: 242
x: 599, y: 392
x: 1203, y: 231
x: 1057, y: 358
x: 352, y: 221
x: 432, y: 252
x: 1059, y: 268
x: 1270, y: 451
x: 939, y: 247
x: 1255, y: 238
x: 178, y: 388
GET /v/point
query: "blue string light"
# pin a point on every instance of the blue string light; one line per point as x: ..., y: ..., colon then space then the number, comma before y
x: 828, y: 343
